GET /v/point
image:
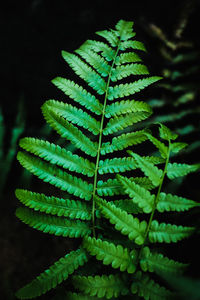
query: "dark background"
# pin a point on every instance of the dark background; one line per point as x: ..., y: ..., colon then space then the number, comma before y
x: 33, y: 34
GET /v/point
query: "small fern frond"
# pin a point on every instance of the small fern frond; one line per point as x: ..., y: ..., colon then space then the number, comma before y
x: 107, y: 286
x: 138, y: 194
x: 53, y: 276
x: 122, y: 71
x: 110, y: 254
x: 116, y: 165
x: 55, y: 176
x: 168, y: 233
x: 106, y: 51
x: 152, y: 262
x: 127, y: 57
x: 175, y: 170
x: 79, y: 94
x: 54, y: 205
x: 52, y: 224
x: 136, y: 45
x: 124, y: 222
x: 57, y: 155
x: 159, y: 145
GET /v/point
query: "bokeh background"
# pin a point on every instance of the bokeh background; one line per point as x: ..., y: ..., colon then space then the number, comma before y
x: 33, y: 34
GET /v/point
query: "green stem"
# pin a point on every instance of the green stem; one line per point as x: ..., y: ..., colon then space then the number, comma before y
x: 100, y: 142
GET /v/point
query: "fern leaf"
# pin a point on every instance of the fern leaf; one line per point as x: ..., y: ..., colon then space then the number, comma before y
x: 74, y: 115
x: 121, y: 72
x: 168, y: 233
x: 107, y: 52
x: 177, y: 170
x: 128, y: 89
x: 159, y: 145
x: 176, y: 147
x: 56, y: 176
x: 77, y: 296
x: 70, y: 132
x: 136, y: 45
x: 123, y: 141
x: 78, y: 94
x: 52, y: 224
x: 148, y: 288
x: 109, y: 253
x: 128, y: 57
x: 153, y: 262
x: 110, y: 187
x: 107, y: 286
x: 124, y: 222
x: 110, y: 36
x: 166, y: 134
x: 57, y: 155
x: 116, y: 165
x: 128, y: 106
x: 54, y: 205
x: 125, y: 30
x: 138, y: 194
x: 119, y: 123
x: 85, y: 72
x: 53, y: 276
x: 95, y: 60
x: 149, y: 169
x: 169, y: 202
x: 128, y: 205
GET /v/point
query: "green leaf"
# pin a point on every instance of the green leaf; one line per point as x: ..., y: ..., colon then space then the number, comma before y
x: 75, y: 296
x: 153, y: 262
x: 110, y: 254
x: 177, y: 169
x: 55, y: 176
x: 101, y: 47
x: 70, y: 132
x: 54, y: 205
x: 53, y: 276
x: 52, y: 224
x: 159, y: 145
x: 110, y: 187
x: 127, y: 89
x: 124, y: 222
x: 168, y: 233
x: 57, y: 155
x: 149, y: 169
x: 124, y: 71
x: 117, y: 164
x: 78, y: 94
x: 138, y: 194
x: 136, y: 45
x: 128, y: 205
x: 101, y: 286
x: 85, y: 72
x: 169, y: 202
x: 110, y: 36
x: 125, y: 30
x: 166, y: 134
x: 127, y: 57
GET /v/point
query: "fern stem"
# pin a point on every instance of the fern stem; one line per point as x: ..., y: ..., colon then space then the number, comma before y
x: 100, y: 141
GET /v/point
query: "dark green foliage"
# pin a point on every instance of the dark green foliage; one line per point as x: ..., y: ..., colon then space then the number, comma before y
x: 94, y: 189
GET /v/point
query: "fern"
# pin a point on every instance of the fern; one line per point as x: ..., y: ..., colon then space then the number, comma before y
x: 100, y: 126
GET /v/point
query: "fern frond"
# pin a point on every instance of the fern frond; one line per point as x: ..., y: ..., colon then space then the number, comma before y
x: 123, y: 141
x: 128, y: 57
x: 169, y: 202
x: 70, y: 132
x: 159, y: 145
x: 119, y: 123
x: 74, y: 115
x: 128, y: 106
x: 166, y: 133
x: 79, y: 94
x: 78, y: 296
x: 168, y: 233
x: 122, y: 90
x: 107, y: 286
x: 178, y: 170
x: 55, y: 176
x: 136, y: 45
x: 52, y: 224
x: 138, y: 194
x: 125, y: 30
x: 110, y: 254
x: 54, y: 205
x: 110, y: 36
x: 85, y: 72
x: 53, y: 276
x: 121, y: 72
x: 57, y: 155
x: 149, y: 169
x: 152, y: 262
x: 124, y: 222
x: 148, y: 288
x: 110, y: 187
x: 128, y: 205
x: 107, y: 52
x: 117, y: 164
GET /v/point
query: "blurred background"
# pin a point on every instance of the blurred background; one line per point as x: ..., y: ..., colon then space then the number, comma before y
x: 33, y: 34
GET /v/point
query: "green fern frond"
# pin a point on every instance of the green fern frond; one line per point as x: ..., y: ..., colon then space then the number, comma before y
x: 178, y: 170
x: 110, y: 187
x: 121, y: 72
x: 53, y: 276
x: 54, y: 205
x: 136, y: 45
x: 124, y: 30
x: 152, y: 262
x: 107, y: 286
x: 168, y: 233
x: 124, y: 222
x: 117, y: 164
x: 110, y: 254
x: 159, y: 145
x: 55, y: 176
x: 78, y: 296
x: 79, y: 94
x: 128, y: 205
x: 166, y: 133
x: 57, y: 155
x: 106, y: 51
x: 52, y: 224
